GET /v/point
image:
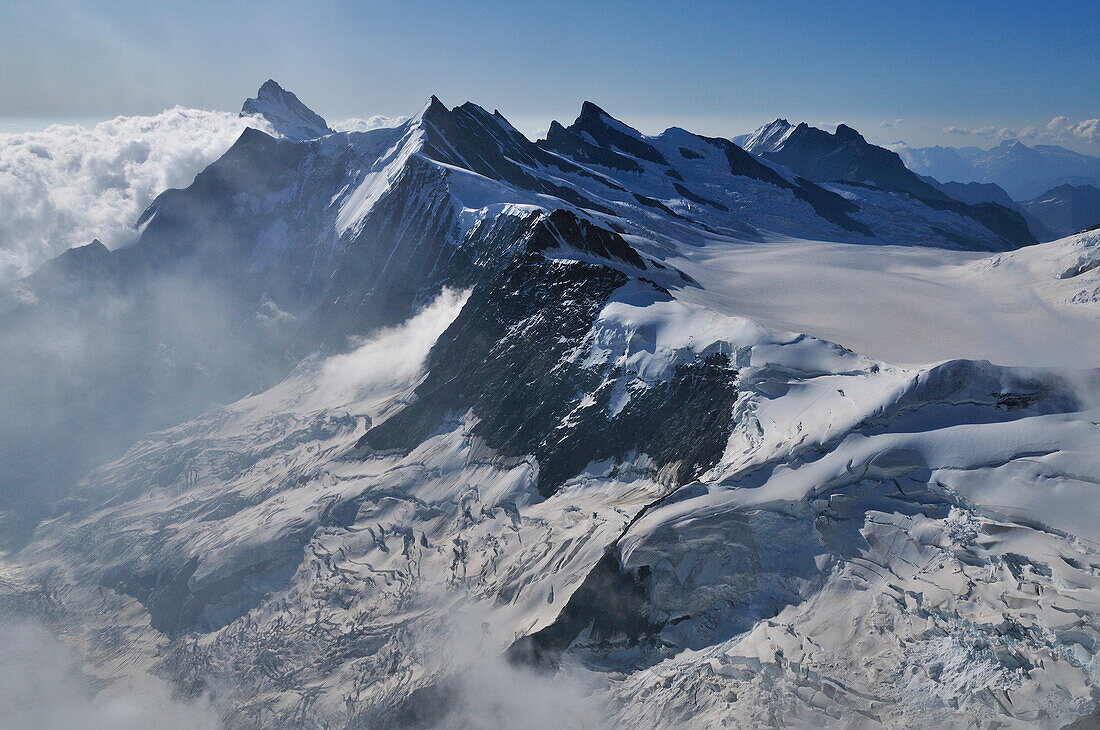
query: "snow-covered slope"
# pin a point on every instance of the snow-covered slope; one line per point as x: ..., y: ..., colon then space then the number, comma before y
x: 911, y: 305
x: 538, y: 456
x: 866, y: 542
x: 288, y: 116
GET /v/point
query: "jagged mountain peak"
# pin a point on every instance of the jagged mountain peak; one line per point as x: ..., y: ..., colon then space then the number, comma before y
x: 434, y: 106
x: 595, y: 127
x: 592, y: 115
x: 590, y: 109
x: 286, y: 113
x: 438, y: 114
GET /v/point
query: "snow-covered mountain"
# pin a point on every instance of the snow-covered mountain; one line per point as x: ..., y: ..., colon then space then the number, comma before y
x: 1023, y: 171
x: 288, y: 116
x: 1066, y: 209
x: 465, y: 430
x: 845, y: 157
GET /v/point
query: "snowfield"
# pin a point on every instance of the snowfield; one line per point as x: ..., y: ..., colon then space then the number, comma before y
x: 1033, y: 307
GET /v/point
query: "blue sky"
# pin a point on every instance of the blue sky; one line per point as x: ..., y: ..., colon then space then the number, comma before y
x: 894, y: 70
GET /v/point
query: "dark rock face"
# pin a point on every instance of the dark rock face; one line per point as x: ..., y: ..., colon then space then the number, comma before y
x: 612, y: 602
x: 976, y: 193
x: 1005, y: 222
x: 564, y: 229
x: 609, y: 133
x: 513, y: 358
x: 570, y: 144
x: 505, y: 357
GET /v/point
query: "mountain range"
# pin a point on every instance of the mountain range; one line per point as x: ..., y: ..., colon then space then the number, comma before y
x: 1025, y: 172
x: 434, y: 425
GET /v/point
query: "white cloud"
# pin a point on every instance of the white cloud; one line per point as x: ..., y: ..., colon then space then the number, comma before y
x: 988, y: 131
x: 378, y: 121
x: 888, y: 123
x: 484, y: 690
x: 43, y: 688
x: 1059, y: 129
x: 66, y: 185
x: 1062, y: 129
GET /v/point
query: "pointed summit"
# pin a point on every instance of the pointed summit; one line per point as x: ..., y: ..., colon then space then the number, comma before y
x: 590, y: 109
x: 595, y: 126
x: 769, y: 137
x: 289, y: 116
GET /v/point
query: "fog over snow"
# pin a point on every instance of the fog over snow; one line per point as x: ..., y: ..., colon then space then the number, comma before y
x: 66, y: 185
x: 43, y: 686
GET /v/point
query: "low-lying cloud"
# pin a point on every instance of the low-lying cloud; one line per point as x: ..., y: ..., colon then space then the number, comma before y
x: 66, y: 185
x: 378, y: 121
x: 481, y: 689
x: 42, y: 687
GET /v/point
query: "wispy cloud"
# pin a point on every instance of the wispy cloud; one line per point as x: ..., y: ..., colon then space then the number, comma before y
x: 887, y: 123
x: 1060, y: 129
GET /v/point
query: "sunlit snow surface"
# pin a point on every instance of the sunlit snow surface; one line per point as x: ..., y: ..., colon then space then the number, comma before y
x: 914, y: 305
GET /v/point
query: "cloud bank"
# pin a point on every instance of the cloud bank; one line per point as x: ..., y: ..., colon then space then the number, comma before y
x: 1063, y: 130
x: 1060, y: 129
x: 66, y: 185
x: 378, y: 121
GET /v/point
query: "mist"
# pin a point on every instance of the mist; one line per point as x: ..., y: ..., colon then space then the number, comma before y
x: 480, y: 688
x: 43, y: 687
x: 389, y: 357
x: 89, y: 370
